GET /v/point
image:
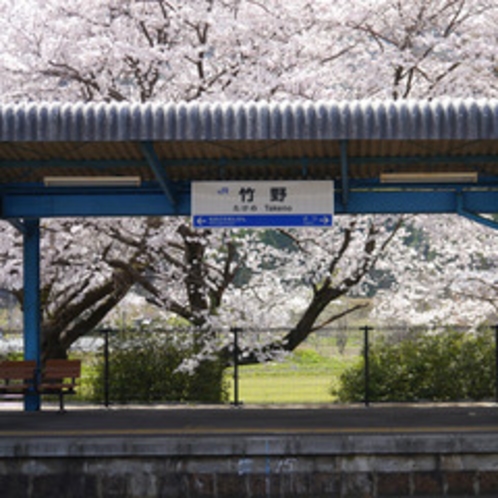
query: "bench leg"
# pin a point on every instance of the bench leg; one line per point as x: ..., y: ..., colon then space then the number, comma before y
x: 61, y: 402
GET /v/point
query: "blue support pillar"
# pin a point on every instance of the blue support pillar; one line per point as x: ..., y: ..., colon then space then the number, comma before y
x: 31, y: 303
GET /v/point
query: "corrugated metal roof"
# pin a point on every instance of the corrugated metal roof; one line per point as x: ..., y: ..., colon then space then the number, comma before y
x: 356, y: 120
x: 248, y: 140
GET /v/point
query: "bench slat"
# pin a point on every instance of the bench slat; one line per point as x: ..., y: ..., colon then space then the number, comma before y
x: 16, y: 377
x: 13, y: 388
x: 14, y: 370
x: 62, y: 369
x: 58, y: 377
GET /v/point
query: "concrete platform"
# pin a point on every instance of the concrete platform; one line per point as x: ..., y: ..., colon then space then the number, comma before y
x: 84, y: 420
x: 226, y: 452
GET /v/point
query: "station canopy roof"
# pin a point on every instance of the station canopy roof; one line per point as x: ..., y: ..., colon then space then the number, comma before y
x: 358, y: 144
x: 225, y: 141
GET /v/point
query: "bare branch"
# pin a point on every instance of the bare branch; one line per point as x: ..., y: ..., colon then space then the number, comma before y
x: 338, y: 316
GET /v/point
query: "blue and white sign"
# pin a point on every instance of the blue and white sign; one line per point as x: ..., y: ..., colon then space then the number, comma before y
x: 262, y: 204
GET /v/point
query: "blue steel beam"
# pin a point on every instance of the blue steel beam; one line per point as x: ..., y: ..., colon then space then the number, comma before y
x: 159, y: 172
x: 463, y: 211
x: 31, y: 302
x: 154, y: 203
x: 18, y: 225
x: 94, y: 204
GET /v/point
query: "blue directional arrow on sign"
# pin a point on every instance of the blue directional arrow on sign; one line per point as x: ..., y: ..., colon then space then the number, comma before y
x: 262, y: 204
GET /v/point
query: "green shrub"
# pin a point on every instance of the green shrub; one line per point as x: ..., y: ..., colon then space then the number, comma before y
x: 143, y: 367
x: 449, y: 366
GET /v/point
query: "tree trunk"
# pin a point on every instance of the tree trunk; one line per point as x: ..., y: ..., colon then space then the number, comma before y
x: 51, y: 347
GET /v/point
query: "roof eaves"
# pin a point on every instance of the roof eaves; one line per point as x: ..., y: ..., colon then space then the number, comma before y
x: 444, y: 119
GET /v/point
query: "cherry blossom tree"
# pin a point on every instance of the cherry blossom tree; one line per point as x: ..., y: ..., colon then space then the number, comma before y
x: 424, y: 48
x: 145, y: 50
x: 217, y: 280
x: 448, y: 278
x: 213, y: 280
x: 139, y: 50
x: 79, y: 283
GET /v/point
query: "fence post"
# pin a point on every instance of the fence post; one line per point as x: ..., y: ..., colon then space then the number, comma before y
x: 496, y: 363
x: 106, y: 367
x: 366, y: 345
x: 235, y: 332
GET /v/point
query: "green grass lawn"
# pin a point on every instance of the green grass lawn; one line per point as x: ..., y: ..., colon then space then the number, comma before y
x: 304, y: 377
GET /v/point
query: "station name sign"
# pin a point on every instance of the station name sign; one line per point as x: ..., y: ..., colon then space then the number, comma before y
x: 264, y: 204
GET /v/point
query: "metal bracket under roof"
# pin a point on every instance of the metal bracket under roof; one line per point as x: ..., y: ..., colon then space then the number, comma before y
x: 17, y: 224
x: 487, y: 222
x: 153, y: 161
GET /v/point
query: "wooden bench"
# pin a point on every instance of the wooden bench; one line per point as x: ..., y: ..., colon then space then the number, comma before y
x: 59, y: 377
x: 17, y: 378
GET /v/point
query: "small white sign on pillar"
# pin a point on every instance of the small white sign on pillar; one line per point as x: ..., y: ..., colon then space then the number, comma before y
x: 264, y: 204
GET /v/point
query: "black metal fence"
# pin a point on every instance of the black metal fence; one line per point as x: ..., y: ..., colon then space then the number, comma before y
x: 304, y: 376
x: 335, y: 364
x: 316, y: 372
